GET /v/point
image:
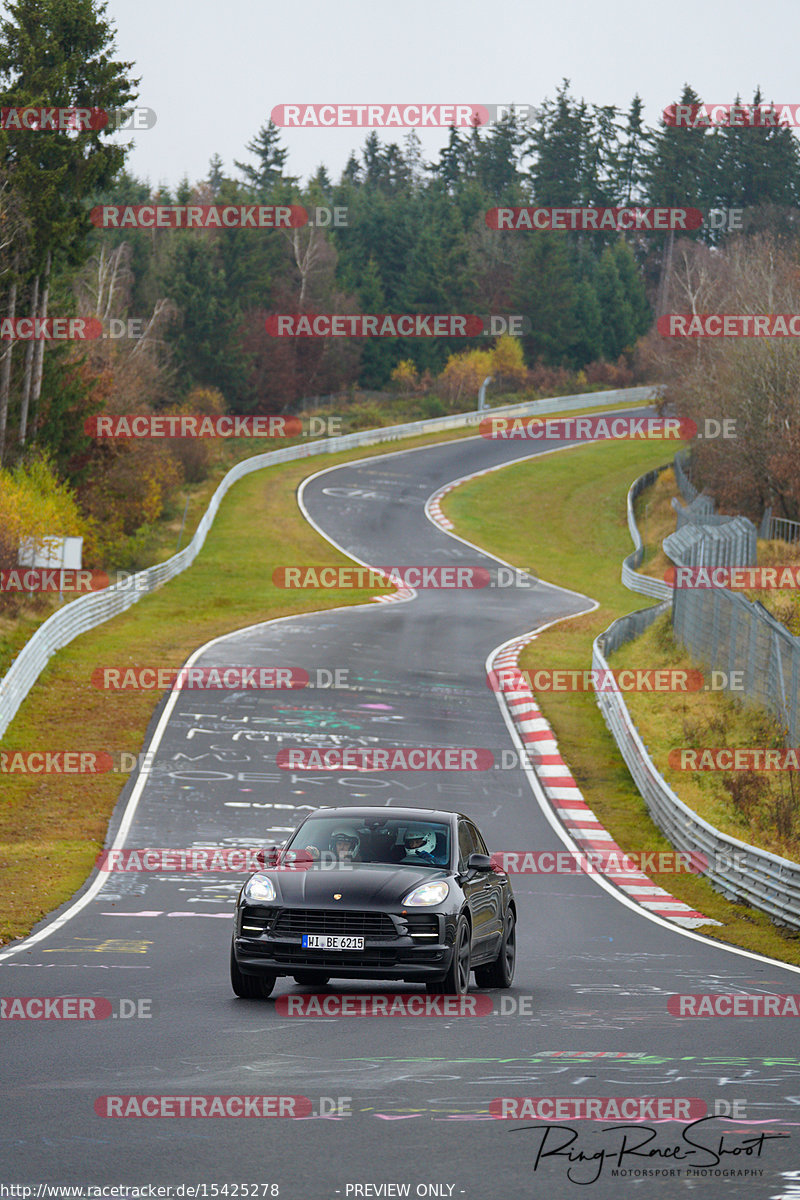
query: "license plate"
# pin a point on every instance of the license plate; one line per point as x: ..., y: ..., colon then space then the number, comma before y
x: 329, y: 941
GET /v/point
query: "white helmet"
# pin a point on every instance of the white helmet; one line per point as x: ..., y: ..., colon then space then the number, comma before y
x: 345, y: 831
x: 425, y: 839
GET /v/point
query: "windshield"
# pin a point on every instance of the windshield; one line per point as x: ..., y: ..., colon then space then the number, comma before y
x: 333, y: 839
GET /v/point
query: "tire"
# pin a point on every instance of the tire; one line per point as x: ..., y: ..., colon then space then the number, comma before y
x: 456, y: 981
x: 500, y: 973
x: 251, y: 987
x: 311, y: 978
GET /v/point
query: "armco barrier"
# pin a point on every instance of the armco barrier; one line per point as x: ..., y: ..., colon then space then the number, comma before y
x: 740, y: 871
x: 646, y: 585
x: 92, y: 610
x: 685, y: 485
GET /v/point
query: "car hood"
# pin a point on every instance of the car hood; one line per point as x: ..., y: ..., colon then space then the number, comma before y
x: 364, y: 885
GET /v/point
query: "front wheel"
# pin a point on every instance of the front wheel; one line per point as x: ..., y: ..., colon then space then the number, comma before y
x: 456, y: 981
x: 250, y: 987
x: 500, y: 973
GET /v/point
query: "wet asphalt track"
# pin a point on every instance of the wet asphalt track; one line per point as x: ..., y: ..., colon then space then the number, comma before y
x: 592, y: 975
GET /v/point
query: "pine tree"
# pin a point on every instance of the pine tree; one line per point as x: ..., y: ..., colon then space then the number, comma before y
x: 379, y: 355
x: 680, y: 173
x: 618, y: 326
x: 216, y: 174
x: 633, y: 287
x: 204, y: 338
x: 450, y: 169
x: 632, y: 162
x: 496, y: 160
x: 587, y: 345
x: 374, y: 162
x: 545, y: 291
x: 352, y: 172
x: 265, y: 179
x: 758, y: 165
x: 57, y: 53
x: 558, y: 142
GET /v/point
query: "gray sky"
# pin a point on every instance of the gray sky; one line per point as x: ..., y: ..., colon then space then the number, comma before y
x: 213, y: 71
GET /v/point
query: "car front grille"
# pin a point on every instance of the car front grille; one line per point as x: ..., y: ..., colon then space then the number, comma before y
x: 293, y: 922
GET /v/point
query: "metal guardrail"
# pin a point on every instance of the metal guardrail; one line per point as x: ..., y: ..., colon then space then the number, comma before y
x: 87, y: 612
x: 739, y: 871
x: 779, y: 528
x: 699, y: 512
x: 686, y: 488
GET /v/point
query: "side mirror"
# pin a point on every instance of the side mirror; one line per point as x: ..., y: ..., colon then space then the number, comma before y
x: 479, y: 862
x: 269, y: 856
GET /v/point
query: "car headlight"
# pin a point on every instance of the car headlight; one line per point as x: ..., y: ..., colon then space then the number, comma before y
x: 259, y: 890
x: 427, y: 893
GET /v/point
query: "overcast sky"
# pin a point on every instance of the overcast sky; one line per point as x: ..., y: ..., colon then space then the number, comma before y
x: 213, y: 71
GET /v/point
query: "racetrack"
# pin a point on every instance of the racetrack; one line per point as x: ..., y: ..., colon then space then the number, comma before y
x: 593, y: 975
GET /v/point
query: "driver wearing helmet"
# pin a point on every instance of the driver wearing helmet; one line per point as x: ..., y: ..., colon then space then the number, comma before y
x: 345, y: 843
x: 419, y: 844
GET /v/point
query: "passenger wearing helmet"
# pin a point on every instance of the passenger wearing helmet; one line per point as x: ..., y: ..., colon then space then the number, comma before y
x: 345, y: 843
x: 419, y: 844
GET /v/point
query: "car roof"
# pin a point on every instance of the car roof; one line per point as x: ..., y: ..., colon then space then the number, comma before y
x: 361, y: 811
